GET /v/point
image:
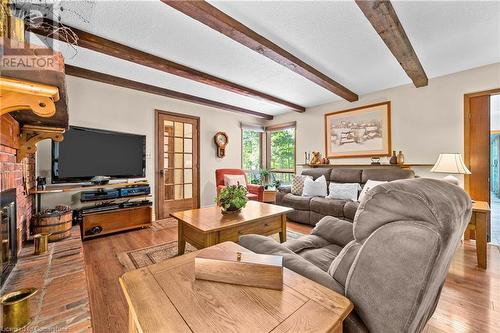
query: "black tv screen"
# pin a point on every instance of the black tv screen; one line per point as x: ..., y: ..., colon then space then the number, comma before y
x: 86, y: 152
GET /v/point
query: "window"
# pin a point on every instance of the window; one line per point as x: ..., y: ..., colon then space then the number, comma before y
x: 281, y: 152
x: 251, y: 140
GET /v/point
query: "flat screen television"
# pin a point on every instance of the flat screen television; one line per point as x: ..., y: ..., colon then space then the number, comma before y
x: 88, y: 152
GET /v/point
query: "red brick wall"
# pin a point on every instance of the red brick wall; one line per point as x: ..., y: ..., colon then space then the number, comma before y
x: 15, y: 175
x: 11, y: 176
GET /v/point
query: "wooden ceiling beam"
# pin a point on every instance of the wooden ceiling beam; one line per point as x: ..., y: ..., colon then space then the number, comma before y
x: 135, y: 85
x: 225, y: 24
x: 114, y: 49
x: 384, y: 19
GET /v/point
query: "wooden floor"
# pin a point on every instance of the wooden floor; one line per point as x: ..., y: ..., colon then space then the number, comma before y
x: 470, y: 301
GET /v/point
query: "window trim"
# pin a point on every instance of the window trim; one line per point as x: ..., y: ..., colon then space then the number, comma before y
x: 279, y: 127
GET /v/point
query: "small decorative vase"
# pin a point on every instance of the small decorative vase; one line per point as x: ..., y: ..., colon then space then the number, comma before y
x: 394, y: 158
x: 401, y: 157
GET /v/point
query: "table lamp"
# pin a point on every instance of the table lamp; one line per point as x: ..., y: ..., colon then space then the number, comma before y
x: 452, y: 164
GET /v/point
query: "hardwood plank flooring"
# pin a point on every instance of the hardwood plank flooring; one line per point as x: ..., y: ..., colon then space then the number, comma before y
x: 470, y: 300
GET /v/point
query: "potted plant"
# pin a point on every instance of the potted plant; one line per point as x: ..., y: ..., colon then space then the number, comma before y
x: 231, y: 199
x: 263, y: 176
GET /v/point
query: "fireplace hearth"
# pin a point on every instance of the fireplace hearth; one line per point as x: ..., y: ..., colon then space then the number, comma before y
x: 8, y: 233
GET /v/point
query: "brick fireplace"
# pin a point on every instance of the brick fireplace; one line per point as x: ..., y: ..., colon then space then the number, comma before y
x: 62, y: 303
x: 14, y: 175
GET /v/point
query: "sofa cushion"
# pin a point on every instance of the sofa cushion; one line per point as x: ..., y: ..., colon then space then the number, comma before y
x: 300, y: 216
x: 315, y: 188
x: 296, y: 201
x: 305, y: 242
x: 314, y: 218
x: 330, y: 207
x: 386, y: 174
x: 368, y: 186
x: 334, y: 230
x: 232, y: 180
x: 344, y: 191
x: 350, y: 209
x: 345, y: 175
x: 298, y: 184
x: 321, y: 257
x: 340, y: 267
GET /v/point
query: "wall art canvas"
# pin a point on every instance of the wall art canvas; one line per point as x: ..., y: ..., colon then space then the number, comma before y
x: 359, y: 132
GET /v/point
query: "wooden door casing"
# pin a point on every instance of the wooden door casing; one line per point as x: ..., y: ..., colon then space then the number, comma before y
x: 177, y: 164
x: 478, y: 147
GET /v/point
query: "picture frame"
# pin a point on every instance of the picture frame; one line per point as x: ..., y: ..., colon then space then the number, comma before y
x: 359, y: 132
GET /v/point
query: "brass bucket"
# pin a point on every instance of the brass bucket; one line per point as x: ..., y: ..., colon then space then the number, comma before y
x: 41, y: 243
x: 15, y: 306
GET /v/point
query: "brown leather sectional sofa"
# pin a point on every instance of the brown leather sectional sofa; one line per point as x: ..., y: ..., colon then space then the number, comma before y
x: 309, y: 210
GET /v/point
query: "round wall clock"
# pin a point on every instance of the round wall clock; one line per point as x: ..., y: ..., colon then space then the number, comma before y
x: 221, y: 141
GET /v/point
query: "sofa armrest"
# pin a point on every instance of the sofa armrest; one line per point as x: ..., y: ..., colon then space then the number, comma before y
x: 257, y: 190
x: 265, y: 245
x: 282, y: 191
x: 285, y: 189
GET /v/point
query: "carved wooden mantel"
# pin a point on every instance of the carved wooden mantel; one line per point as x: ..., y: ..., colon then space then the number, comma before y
x: 20, y: 95
x: 32, y: 97
x: 26, y: 96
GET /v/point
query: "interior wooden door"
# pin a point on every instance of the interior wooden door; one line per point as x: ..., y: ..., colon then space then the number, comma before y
x: 177, y: 185
x: 478, y: 147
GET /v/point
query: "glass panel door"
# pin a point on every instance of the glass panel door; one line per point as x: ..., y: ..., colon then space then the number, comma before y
x: 179, y: 171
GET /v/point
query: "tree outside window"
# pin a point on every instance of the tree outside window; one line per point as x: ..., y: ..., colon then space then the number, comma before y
x: 281, y: 148
x: 251, y: 157
x: 280, y: 154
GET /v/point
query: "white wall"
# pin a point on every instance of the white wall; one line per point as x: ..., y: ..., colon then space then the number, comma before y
x: 98, y: 105
x: 425, y: 121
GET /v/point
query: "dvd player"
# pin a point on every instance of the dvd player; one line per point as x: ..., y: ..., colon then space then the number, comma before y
x: 134, y: 191
x: 100, y: 194
x: 109, y: 194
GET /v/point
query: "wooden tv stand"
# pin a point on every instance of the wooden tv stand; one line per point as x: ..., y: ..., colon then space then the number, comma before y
x: 115, y: 220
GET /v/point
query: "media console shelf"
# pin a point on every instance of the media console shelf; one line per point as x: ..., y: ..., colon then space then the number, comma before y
x: 97, y: 223
x: 79, y: 187
x: 122, y: 219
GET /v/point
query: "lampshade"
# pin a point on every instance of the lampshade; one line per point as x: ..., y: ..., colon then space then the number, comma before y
x: 450, y: 163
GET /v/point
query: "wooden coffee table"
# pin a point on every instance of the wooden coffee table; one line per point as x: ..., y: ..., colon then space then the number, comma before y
x: 207, y: 226
x: 166, y: 298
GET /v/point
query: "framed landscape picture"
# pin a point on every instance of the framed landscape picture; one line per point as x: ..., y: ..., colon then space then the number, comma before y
x: 359, y: 132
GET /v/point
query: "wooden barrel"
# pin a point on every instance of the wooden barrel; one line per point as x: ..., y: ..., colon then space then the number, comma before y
x: 57, y: 222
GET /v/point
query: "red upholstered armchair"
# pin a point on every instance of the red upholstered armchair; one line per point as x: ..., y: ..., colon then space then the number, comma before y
x: 255, y: 192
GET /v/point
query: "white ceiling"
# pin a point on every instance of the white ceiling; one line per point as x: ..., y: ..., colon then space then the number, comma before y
x: 332, y: 36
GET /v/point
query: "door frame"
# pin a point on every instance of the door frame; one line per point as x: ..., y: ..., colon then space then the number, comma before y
x: 159, y: 112
x: 467, y: 144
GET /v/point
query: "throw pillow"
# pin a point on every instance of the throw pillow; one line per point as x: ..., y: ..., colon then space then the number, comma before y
x: 314, y: 188
x: 347, y: 191
x: 368, y: 186
x: 230, y: 180
x: 298, y: 184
